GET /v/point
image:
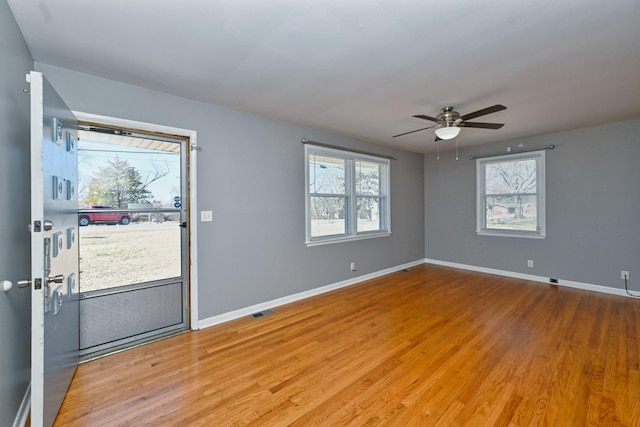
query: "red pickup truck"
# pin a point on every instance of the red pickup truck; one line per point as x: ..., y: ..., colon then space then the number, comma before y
x: 102, y: 215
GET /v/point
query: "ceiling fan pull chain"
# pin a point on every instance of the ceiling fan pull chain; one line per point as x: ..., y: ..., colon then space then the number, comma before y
x: 456, y: 149
x: 438, y: 150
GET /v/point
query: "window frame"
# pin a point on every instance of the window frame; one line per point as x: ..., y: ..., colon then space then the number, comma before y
x: 481, y: 197
x: 351, y: 195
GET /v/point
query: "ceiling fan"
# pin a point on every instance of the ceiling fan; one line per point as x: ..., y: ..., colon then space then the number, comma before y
x: 449, y: 121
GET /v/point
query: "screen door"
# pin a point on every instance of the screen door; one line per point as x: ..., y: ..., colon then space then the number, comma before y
x: 133, y: 230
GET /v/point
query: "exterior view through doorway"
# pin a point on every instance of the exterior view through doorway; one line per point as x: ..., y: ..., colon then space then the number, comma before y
x: 133, y: 217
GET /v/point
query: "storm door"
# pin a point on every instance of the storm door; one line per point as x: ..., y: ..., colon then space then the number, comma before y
x: 133, y: 237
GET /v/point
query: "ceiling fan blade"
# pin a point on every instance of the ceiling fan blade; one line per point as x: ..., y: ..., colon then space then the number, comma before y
x: 481, y: 125
x: 422, y: 116
x: 484, y: 111
x: 417, y: 130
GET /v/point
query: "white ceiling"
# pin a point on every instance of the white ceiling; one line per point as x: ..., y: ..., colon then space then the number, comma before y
x: 362, y: 68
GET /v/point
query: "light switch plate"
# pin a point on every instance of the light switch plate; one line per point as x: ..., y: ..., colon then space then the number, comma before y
x: 206, y: 216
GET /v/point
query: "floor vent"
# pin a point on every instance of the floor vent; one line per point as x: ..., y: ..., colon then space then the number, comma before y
x: 262, y: 313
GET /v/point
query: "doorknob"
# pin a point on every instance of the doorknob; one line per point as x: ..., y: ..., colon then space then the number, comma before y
x: 55, y: 279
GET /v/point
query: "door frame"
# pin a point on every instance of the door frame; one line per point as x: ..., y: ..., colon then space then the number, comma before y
x: 192, y: 281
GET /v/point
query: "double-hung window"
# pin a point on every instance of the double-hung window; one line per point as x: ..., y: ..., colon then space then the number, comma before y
x: 347, y: 195
x: 511, y: 196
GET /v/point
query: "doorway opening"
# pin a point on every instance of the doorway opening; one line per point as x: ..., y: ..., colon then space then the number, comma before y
x: 135, y: 200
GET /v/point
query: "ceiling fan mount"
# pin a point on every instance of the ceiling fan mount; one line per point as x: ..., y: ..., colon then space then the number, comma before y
x: 448, y: 121
x: 447, y: 115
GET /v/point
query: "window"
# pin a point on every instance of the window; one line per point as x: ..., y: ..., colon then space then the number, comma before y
x: 510, y: 195
x: 347, y: 195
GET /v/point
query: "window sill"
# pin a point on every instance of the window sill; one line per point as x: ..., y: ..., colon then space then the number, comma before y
x: 511, y: 234
x: 331, y: 240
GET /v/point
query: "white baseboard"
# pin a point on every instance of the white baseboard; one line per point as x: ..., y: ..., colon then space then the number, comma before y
x: 23, y: 411
x: 232, y: 315
x: 531, y: 277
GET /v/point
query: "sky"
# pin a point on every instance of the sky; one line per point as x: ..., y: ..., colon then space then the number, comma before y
x: 92, y: 156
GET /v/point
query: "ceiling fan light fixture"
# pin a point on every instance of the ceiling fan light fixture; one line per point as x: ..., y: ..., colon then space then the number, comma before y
x: 449, y: 131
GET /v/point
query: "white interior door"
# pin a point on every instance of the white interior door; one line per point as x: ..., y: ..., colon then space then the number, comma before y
x: 54, y: 250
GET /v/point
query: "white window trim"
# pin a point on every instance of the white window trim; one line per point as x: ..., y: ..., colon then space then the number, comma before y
x: 481, y: 229
x: 351, y: 224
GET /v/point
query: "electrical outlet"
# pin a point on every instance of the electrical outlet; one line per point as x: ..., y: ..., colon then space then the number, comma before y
x: 624, y: 275
x: 530, y: 263
x: 353, y: 266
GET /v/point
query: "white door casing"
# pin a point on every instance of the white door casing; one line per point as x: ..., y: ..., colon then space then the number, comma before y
x: 193, y: 218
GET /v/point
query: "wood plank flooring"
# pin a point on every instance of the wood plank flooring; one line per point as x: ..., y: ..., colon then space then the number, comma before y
x: 433, y: 346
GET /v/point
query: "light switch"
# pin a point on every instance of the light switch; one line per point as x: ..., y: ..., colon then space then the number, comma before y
x: 206, y: 216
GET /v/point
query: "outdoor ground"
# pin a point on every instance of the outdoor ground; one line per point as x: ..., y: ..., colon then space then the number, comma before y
x: 117, y: 255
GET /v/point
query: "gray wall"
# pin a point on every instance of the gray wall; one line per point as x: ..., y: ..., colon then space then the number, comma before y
x: 15, y: 306
x: 593, y: 209
x: 249, y: 164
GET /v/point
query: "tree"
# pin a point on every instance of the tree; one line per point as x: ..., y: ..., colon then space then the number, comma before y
x: 367, y: 184
x: 327, y: 186
x: 119, y: 184
x: 511, y: 181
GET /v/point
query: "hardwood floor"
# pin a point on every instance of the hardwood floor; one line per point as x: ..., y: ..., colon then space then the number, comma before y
x: 433, y: 346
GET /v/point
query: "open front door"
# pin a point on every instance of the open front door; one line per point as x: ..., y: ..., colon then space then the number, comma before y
x: 54, y: 250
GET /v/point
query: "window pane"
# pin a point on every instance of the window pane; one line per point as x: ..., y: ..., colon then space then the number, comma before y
x: 514, y: 177
x: 326, y: 175
x: 512, y: 212
x: 328, y: 216
x: 510, y: 195
x: 346, y: 194
x: 369, y: 218
x: 367, y: 178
